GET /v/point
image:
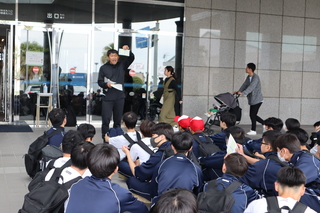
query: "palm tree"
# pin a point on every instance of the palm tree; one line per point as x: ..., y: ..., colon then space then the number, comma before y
x: 104, y: 58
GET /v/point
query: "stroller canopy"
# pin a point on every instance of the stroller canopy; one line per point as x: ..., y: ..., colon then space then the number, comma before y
x: 227, y: 99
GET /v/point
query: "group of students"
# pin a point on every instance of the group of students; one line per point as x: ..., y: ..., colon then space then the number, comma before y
x: 172, y: 168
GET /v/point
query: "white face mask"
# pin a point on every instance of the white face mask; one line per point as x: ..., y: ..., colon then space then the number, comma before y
x: 281, y: 158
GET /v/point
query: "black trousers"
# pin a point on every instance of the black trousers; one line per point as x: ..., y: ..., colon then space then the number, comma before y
x: 114, y: 107
x: 254, y: 116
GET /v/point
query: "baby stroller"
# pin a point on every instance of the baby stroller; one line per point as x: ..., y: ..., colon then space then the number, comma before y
x: 228, y: 103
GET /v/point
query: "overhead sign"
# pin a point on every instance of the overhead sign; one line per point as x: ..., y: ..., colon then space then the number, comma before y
x: 35, y: 69
x: 72, y: 70
x: 141, y: 39
x: 34, y: 58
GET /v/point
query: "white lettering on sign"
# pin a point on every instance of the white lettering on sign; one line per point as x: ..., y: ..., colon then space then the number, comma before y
x: 6, y: 12
x: 55, y: 15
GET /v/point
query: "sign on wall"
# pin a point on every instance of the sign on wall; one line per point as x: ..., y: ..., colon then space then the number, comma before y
x: 34, y: 58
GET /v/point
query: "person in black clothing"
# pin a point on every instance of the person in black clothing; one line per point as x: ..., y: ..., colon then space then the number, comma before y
x: 111, y: 80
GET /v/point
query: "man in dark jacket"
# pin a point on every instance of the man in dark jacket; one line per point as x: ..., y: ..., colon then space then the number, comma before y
x: 111, y: 80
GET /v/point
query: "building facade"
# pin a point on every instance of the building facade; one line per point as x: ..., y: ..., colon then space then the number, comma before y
x: 209, y: 42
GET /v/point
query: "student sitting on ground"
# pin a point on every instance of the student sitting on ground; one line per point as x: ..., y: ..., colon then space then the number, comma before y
x: 97, y: 193
x: 176, y: 201
x: 130, y: 120
x: 70, y: 139
x: 271, y: 123
x: 235, y: 166
x: 288, y: 148
x: 302, y: 136
x: 87, y: 131
x: 137, y: 155
x: 212, y: 165
x: 227, y: 120
x: 290, y: 186
x: 78, y: 163
x: 183, y: 123
x: 58, y: 120
x: 202, y: 144
x: 262, y: 174
x: 140, y: 183
x: 177, y: 171
x: 291, y: 124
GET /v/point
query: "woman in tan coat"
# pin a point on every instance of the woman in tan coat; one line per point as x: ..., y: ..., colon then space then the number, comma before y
x: 170, y: 92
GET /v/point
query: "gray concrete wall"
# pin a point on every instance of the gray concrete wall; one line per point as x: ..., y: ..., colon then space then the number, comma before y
x: 280, y: 36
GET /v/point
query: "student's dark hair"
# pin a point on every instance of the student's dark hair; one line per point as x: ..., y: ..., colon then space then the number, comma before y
x: 171, y: 70
x: 270, y: 137
x: 229, y: 118
x: 163, y: 129
x: 292, y: 123
x: 301, y: 134
x: 251, y: 66
x: 236, y: 165
x: 289, y: 141
x: 182, y: 141
x: 102, y: 160
x: 176, y: 200
x: 291, y: 176
x: 130, y: 119
x: 79, y: 154
x: 70, y: 139
x: 57, y: 116
x: 274, y: 123
x: 145, y: 128
x: 237, y: 133
x: 316, y: 124
x: 87, y: 131
x: 112, y: 51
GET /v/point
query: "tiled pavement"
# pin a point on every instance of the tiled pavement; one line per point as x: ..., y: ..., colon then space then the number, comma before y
x: 13, y: 178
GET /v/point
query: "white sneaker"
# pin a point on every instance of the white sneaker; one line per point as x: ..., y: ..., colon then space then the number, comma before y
x: 251, y: 132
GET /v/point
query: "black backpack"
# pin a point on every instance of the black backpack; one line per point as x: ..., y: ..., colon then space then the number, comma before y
x: 33, y: 157
x: 139, y: 142
x: 48, y: 153
x: 40, y: 176
x: 273, y: 206
x: 214, y: 200
x: 207, y: 147
x: 48, y: 196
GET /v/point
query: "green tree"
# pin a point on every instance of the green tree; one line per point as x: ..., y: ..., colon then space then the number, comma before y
x: 33, y: 46
x: 137, y: 82
x: 104, y: 58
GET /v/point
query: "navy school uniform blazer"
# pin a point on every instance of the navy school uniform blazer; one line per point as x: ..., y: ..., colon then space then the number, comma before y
x: 176, y: 171
x: 97, y: 195
x: 262, y: 174
x: 145, y: 171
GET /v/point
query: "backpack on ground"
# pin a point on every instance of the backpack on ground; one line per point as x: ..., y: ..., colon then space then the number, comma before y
x: 40, y: 176
x: 273, y: 206
x: 116, y: 131
x: 207, y: 147
x: 33, y: 157
x: 214, y: 200
x: 139, y: 142
x: 49, y: 196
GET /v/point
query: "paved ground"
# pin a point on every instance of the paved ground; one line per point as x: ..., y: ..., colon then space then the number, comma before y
x: 13, y: 178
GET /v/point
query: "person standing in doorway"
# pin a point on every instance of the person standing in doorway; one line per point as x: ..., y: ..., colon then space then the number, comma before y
x: 170, y: 92
x: 111, y: 80
x: 252, y: 89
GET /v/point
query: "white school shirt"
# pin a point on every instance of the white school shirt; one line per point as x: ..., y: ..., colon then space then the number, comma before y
x: 120, y: 140
x: 137, y: 152
x: 260, y: 206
